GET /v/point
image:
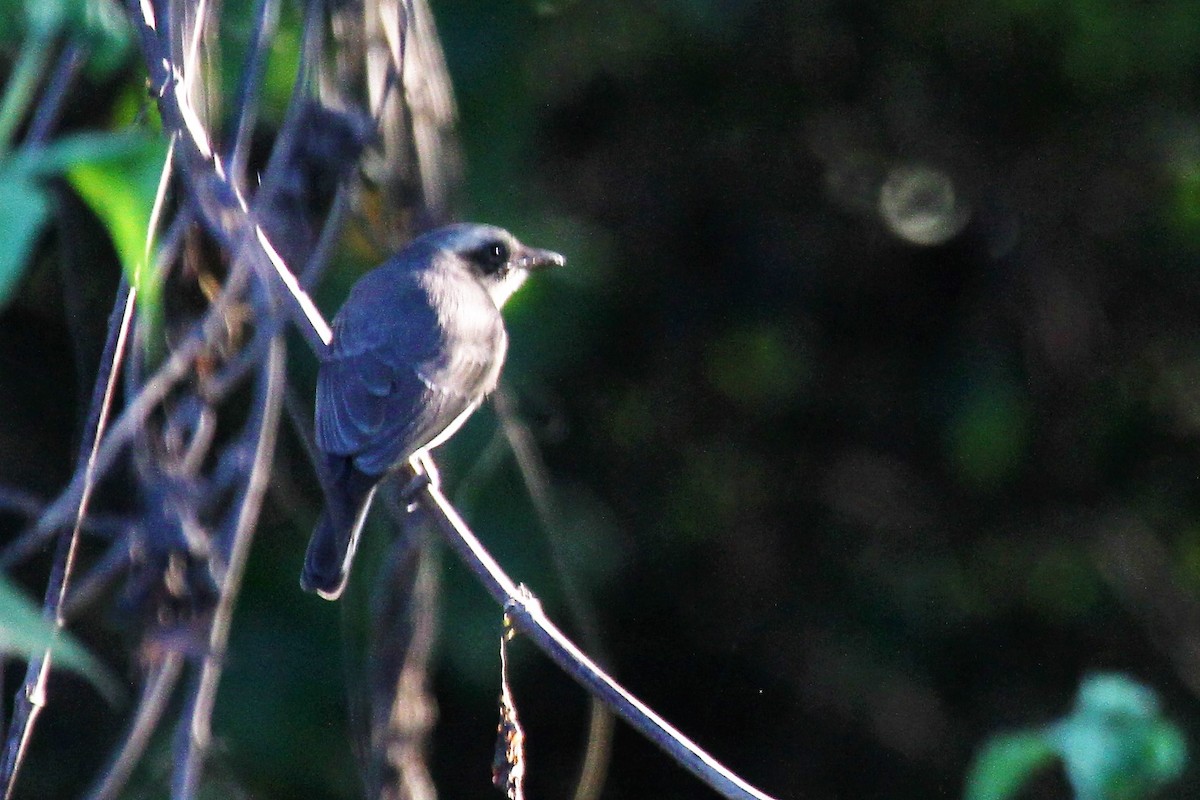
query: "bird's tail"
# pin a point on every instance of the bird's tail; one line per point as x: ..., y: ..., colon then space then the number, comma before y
x: 334, y: 540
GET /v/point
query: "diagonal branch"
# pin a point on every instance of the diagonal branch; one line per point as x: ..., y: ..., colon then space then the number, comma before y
x: 529, y: 618
x: 177, y: 368
x: 227, y: 216
x: 31, y: 698
x: 195, y: 729
x: 156, y: 693
x: 222, y: 207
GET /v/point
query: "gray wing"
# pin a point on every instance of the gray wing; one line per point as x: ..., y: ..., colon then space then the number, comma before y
x: 394, y: 379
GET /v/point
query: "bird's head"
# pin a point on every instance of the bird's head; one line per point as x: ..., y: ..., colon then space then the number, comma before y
x: 492, y: 255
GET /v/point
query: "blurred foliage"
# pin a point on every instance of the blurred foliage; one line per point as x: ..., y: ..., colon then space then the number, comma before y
x: 1114, y: 745
x: 1005, y: 763
x: 117, y: 174
x: 98, y: 25
x: 283, y: 57
x: 120, y: 190
x: 26, y: 633
x: 869, y: 396
x: 23, y: 212
x: 31, y: 27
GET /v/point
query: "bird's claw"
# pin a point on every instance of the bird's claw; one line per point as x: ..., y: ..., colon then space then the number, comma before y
x: 424, y: 473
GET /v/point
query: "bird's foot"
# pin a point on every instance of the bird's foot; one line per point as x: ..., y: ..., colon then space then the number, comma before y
x: 424, y: 473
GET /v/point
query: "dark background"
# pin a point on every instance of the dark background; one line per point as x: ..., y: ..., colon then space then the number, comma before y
x: 869, y: 397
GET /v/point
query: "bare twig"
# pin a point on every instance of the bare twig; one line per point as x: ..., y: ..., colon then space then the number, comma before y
x: 31, y: 506
x: 245, y: 107
x: 592, y: 771
x: 50, y: 104
x: 220, y: 203
x: 31, y: 699
x: 100, y: 575
x: 195, y: 729
x: 291, y: 129
x: 400, y: 710
x: 156, y: 692
x: 128, y: 424
x: 508, y: 764
x: 529, y: 618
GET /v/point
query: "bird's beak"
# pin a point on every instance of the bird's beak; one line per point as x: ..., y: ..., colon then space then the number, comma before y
x: 534, y: 259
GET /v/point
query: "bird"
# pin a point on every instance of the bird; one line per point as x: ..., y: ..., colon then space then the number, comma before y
x: 416, y: 348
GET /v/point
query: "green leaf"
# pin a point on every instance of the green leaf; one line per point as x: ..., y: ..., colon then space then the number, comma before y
x: 1166, y: 752
x: 1006, y: 763
x: 99, y: 24
x: 59, y: 156
x: 120, y: 186
x: 23, y: 211
x: 25, y: 207
x: 1114, y: 744
x: 26, y: 633
x: 990, y: 432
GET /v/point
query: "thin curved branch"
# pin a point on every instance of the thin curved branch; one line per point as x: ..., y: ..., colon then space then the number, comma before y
x: 598, y: 752
x: 31, y: 698
x: 177, y: 368
x: 195, y: 729
x: 221, y: 206
x: 291, y: 128
x: 529, y: 618
x: 397, y: 710
x: 245, y: 105
x: 54, y: 96
x: 99, y: 577
x: 31, y: 506
x: 155, y: 694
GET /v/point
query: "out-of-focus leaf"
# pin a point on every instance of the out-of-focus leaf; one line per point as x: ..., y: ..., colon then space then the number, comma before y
x: 23, y: 211
x: 1006, y: 763
x: 120, y: 187
x: 98, y: 24
x: 11, y: 15
x: 989, y: 434
x: 24, y: 206
x: 1185, y: 202
x: 64, y: 153
x: 1115, y: 745
x: 26, y: 633
x: 760, y: 367
x: 238, y: 25
x: 1166, y: 752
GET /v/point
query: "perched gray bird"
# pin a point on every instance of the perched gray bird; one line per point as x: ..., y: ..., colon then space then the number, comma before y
x: 417, y: 346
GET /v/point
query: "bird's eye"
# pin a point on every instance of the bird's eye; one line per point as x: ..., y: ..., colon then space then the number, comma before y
x: 492, y: 257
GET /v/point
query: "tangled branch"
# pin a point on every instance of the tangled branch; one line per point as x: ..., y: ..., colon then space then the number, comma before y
x: 202, y: 463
